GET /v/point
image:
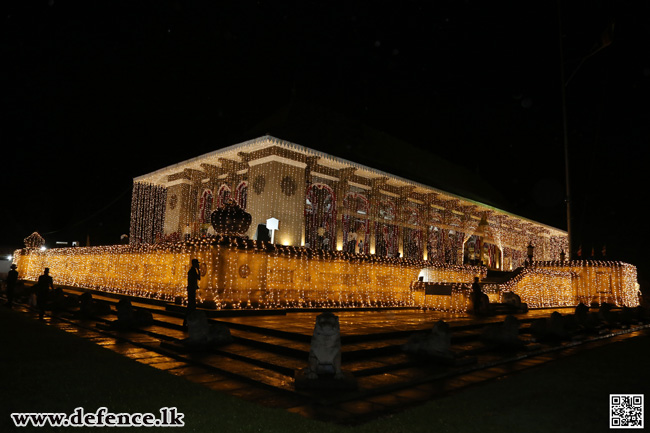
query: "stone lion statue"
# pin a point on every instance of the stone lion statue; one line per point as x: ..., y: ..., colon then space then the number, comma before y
x: 325, y: 352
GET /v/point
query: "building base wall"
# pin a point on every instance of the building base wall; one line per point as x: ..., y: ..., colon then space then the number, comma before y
x: 237, y: 273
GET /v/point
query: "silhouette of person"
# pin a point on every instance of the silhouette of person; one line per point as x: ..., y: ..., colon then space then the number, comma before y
x: 476, y: 286
x: 43, y: 286
x: 193, y: 277
x: 480, y: 301
x: 12, y: 280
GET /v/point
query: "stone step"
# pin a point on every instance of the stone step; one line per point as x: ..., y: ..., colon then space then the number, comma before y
x: 246, y: 371
x: 169, y: 328
x: 395, y: 378
x: 377, y: 365
x: 114, y: 298
x: 286, y: 335
x: 261, y: 368
x: 272, y: 361
x: 293, y: 347
x: 172, y: 317
x: 300, y: 350
x: 371, y: 349
x: 271, y: 343
x: 181, y: 310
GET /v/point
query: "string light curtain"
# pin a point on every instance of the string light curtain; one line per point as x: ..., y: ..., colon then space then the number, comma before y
x: 344, y: 206
x: 148, y: 205
x: 242, y: 273
x: 239, y: 273
x: 348, y: 235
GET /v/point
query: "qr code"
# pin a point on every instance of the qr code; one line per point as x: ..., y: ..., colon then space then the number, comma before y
x: 626, y: 411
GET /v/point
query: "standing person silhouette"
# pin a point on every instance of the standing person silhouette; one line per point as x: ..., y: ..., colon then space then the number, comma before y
x: 479, y: 300
x: 43, y: 286
x: 193, y: 277
x: 12, y: 280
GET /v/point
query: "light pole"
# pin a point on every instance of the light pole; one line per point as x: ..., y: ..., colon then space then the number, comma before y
x: 565, y: 134
x: 606, y: 40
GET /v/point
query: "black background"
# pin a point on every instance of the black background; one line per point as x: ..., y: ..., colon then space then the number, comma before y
x: 96, y: 93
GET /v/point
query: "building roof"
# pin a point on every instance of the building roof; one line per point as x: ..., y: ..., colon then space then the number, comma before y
x: 238, y: 151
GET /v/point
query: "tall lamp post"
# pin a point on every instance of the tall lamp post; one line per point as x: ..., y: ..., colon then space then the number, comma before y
x: 565, y: 133
x: 606, y: 40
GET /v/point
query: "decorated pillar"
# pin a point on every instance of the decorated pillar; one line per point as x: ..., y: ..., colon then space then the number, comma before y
x: 310, y: 162
x: 374, y: 210
x: 402, y: 204
x: 432, y: 215
x: 342, y: 189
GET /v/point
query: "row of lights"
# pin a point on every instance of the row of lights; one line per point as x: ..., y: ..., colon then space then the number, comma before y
x: 557, y: 283
x: 240, y: 273
x: 243, y: 273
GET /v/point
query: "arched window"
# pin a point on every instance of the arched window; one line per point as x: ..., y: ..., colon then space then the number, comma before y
x: 241, y: 194
x: 386, y: 233
x: 435, y: 244
x: 223, y: 195
x: 205, y: 206
x: 356, y: 203
x: 413, y: 243
x: 320, y: 216
x: 387, y: 209
x: 472, y: 250
x: 412, y: 216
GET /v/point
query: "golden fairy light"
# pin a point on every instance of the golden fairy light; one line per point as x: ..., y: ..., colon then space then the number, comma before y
x: 237, y: 273
x: 328, y: 203
x: 348, y: 236
x: 241, y: 273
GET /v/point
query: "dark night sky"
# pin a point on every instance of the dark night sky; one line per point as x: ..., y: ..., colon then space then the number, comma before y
x: 96, y: 93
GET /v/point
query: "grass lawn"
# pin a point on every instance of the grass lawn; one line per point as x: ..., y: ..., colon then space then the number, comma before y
x: 48, y: 370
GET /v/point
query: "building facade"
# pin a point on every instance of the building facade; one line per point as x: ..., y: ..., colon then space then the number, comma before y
x: 325, y: 202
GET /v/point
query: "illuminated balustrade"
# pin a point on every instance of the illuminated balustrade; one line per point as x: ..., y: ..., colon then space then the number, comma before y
x: 599, y: 281
x: 238, y: 273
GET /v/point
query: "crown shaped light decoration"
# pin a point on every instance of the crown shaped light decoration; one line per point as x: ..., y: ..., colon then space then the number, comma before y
x: 230, y: 219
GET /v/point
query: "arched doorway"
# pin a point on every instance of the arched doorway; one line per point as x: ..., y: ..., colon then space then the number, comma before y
x: 386, y: 232
x: 412, y: 237
x: 320, y: 216
x: 241, y: 194
x: 355, y: 223
x: 479, y: 250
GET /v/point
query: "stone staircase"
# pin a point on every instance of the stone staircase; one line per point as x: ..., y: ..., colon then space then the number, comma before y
x: 500, y: 277
x: 266, y: 358
x: 270, y: 357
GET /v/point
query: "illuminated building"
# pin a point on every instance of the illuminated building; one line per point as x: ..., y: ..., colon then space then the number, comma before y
x: 348, y: 236
x: 328, y: 203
